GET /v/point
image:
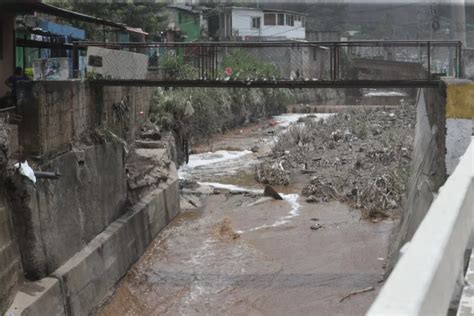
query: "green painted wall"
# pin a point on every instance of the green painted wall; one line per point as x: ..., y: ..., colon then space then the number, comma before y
x: 189, y: 24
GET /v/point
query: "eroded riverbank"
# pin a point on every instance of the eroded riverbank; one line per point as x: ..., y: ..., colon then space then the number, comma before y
x: 230, y: 254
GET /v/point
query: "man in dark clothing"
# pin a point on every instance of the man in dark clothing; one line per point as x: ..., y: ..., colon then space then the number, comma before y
x: 12, y: 81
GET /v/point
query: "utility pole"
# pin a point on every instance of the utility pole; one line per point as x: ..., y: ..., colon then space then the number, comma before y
x: 457, y: 30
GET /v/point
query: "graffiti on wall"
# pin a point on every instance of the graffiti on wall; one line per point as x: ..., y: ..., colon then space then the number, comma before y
x: 51, y: 69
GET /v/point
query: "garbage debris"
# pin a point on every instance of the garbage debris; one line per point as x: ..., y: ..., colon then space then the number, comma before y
x: 25, y: 170
x: 361, y: 157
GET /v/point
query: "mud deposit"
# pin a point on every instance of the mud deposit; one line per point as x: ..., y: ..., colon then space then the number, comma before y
x: 232, y: 252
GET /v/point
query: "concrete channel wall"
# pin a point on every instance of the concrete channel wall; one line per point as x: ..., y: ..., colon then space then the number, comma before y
x: 428, y: 166
x: 79, y: 234
x: 54, y: 219
x: 424, y: 279
x: 77, y: 286
x: 443, y: 131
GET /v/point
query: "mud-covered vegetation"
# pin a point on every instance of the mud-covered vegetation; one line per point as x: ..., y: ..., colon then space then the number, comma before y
x: 195, y: 113
x: 361, y: 157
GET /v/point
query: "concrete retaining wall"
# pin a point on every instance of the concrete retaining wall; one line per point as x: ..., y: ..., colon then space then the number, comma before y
x: 428, y: 167
x: 90, y: 274
x: 55, y: 218
x: 425, y: 278
x: 443, y: 132
x: 58, y: 114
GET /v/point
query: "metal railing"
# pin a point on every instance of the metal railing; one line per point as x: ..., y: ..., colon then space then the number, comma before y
x: 424, y: 279
x: 264, y: 63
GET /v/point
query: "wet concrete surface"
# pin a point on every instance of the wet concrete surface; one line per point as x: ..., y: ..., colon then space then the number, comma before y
x: 230, y: 257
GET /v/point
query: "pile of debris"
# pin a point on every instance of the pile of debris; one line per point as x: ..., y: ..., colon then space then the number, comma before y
x: 148, y: 164
x: 272, y: 173
x: 361, y: 157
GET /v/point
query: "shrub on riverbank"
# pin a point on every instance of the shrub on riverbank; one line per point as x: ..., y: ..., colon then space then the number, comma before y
x: 195, y: 113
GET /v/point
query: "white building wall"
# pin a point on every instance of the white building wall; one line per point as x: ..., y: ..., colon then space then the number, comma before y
x: 242, y: 26
x: 242, y: 22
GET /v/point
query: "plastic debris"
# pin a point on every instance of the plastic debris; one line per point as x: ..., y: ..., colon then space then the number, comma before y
x: 25, y: 170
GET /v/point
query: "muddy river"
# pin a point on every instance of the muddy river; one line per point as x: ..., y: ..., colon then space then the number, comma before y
x: 233, y: 253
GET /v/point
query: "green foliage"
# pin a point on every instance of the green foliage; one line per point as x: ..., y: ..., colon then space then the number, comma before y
x: 245, y: 65
x: 176, y: 68
x: 214, y: 110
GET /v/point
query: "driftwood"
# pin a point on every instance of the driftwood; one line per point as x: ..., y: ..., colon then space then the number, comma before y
x: 371, y: 288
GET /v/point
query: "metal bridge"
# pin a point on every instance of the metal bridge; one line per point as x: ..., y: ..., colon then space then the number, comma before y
x: 278, y: 64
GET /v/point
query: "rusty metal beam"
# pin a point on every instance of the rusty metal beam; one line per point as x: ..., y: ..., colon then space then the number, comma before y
x: 314, y: 84
x: 293, y: 43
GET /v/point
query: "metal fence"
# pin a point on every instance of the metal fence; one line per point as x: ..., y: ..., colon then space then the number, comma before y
x: 272, y: 61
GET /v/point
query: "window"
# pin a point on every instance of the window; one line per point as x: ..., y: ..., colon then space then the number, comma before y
x: 290, y: 20
x: 302, y: 21
x: 269, y: 19
x: 281, y: 19
x: 256, y: 23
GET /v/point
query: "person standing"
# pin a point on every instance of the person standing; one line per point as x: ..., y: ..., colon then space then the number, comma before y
x: 12, y: 81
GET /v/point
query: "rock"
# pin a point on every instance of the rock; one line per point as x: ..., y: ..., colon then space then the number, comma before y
x: 316, y: 226
x: 315, y: 219
x: 312, y: 199
x: 255, y: 149
x: 185, y: 183
x: 269, y: 191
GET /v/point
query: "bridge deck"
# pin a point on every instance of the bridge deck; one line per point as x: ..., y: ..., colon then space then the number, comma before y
x: 271, y: 83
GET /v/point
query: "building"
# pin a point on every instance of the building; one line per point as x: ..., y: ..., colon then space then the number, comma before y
x: 189, y: 21
x: 247, y: 24
x: 40, y: 35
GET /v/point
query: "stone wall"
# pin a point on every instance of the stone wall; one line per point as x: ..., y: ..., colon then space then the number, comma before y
x: 58, y: 114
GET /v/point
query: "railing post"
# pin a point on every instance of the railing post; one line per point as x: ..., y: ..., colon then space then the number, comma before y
x: 75, y: 61
x: 460, y: 63
x: 429, y: 59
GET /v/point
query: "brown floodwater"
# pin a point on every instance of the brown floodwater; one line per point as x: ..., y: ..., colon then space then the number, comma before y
x: 233, y: 257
